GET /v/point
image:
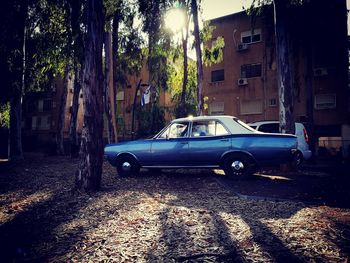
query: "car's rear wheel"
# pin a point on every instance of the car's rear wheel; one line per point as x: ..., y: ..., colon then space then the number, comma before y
x: 239, y: 166
x: 299, y: 158
x: 127, y: 165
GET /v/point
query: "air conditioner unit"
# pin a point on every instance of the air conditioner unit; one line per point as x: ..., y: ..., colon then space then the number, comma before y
x: 242, y: 46
x: 242, y: 82
x: 320, y: 72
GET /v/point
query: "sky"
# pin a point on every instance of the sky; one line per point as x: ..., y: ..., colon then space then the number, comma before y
x: 216, y: 8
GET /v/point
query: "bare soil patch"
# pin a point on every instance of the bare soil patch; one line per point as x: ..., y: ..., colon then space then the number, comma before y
x: 173, y: 217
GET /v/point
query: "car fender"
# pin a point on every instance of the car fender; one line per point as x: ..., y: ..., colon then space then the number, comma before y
x: 126, y: 153
x: 227, y: 153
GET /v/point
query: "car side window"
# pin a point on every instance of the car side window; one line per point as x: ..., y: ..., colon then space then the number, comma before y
x: 176, y: 130
x: 220, y: 129
x: 269, y: 128
x: 207, y: 128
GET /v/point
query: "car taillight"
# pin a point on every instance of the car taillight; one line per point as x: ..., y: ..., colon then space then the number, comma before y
x: 306, y: 136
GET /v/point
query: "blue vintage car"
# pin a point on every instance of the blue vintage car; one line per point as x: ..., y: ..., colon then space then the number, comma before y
x: 204, y: 142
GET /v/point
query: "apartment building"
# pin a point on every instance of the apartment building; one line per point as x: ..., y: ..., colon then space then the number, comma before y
x: 41, y: 112
x: 244, y: 83
x: 125, y: 100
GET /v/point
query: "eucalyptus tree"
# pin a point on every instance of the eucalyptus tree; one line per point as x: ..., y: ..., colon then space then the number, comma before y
x: 158, y: 45
x: 197, y: 44
x: 184, y: 37
x: 108, y: 95
x: 126, y: 43
x: 12, y: 51
x: 76, y: 10
x: 88, y: 175
x: 283, y: 59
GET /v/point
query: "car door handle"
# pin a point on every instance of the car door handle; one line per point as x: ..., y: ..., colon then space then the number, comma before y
x: 183, y: 142
x: 224, y: 140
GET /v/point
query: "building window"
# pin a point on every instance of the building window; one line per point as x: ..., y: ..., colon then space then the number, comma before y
x: 251, y: 107
x: 44, y: 105
x: 40, y: 105
x: 45, y: 123
x: 217, y: 75
x: 248, y: 38
x: 47, y: 105
x: 251, y: 70
x: 273, y: 103
x: 325, y: 101
x: 120, y: 95
x: 34, y: 122
x: 32, y: 106
x: 216, y: 108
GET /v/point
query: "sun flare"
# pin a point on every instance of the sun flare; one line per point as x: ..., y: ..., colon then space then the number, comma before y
x: 175, y: 19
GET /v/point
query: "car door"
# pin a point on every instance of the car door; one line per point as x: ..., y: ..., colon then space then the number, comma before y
x: 208, y: 140
x: 171, y: 147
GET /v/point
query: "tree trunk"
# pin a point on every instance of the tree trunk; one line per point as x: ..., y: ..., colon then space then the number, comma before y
x: 15, y: 135
x: 88, y: 175
x: 115, y: 48
x: 284, y: 77
x: 78, y: 47
x: 15, y: 132
x: 61, y: 115
x: 107, y: 85
x: 310, y: 97
x: 133, y: 110
x: 182, y: 111
x: 197, y: 44
x: 73, y: 138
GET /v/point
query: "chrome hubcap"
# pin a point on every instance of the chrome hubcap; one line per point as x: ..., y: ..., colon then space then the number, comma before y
x: 126, y: 166
x: 237, y: 166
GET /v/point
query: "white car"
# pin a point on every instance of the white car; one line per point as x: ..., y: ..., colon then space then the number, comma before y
x: 303, y: 152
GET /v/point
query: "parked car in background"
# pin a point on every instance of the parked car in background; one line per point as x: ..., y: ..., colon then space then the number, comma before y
x: 204, y: 142
x: 303, y: 152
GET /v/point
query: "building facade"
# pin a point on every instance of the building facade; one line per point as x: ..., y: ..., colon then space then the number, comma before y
x: 41, y: 112
x: 244, y: 83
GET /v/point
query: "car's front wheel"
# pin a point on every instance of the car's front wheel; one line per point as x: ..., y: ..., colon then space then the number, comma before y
x: 239, y: 166
x: 127, y: 165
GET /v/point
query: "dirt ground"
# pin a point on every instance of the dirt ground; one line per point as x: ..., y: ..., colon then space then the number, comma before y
x: 175, y: 216
x: 313, y: 184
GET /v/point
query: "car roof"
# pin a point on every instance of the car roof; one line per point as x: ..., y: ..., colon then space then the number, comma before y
x: 233, y: 126
x: 196, y: 118
x: 266, y: 122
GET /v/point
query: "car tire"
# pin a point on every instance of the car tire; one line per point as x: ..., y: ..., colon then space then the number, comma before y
x: 127, y: 166
x: 298, y: 159
x: 239, y: 166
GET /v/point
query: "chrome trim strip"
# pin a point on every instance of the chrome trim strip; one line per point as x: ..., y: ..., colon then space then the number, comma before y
x: 179, y: 167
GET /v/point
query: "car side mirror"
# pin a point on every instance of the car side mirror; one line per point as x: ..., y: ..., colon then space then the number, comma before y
x: 167, y: 137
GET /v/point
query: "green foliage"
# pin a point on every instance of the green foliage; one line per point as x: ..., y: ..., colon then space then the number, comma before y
x: 159, y: 42
x: 151, y: 120
x: 130, y: 53
x: 175, y: 72
x: 214, y: 54
x: 5, y: 115
x: 48, y: 44
x: 206, y: 32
